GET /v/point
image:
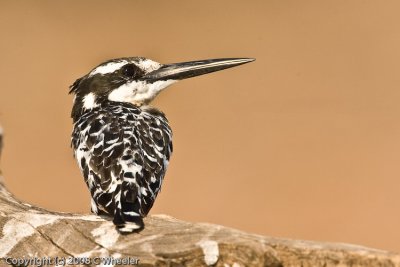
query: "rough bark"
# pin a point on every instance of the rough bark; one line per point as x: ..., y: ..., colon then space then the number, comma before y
x: 32, y: 233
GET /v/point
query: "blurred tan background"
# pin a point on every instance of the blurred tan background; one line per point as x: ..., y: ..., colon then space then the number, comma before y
x: 303, y: 143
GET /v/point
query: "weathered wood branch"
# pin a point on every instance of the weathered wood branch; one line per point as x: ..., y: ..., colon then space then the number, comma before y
x: 28, y: 232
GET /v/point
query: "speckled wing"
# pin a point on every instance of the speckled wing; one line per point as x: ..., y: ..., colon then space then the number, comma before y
x: 123, y: 153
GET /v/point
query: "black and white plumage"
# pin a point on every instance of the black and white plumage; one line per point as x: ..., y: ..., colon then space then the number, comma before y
x: 121, y: 144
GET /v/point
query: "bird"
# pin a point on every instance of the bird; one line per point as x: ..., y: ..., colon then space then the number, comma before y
x: 121, y: 143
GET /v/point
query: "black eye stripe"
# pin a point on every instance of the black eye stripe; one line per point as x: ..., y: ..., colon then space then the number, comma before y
x: 131, y: 70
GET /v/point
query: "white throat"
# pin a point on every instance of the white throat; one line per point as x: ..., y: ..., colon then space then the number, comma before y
x: 138, y: 92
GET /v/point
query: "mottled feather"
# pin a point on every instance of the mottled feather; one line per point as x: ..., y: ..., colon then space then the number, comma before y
x: 123, y: 152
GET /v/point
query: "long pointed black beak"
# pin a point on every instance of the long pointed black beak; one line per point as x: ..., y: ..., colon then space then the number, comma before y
x: 184, y: 70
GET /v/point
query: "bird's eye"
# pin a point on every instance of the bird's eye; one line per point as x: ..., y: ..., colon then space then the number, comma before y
x: 130, y: 70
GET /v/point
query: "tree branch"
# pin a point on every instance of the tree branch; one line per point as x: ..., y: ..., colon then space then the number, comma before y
x: 27, y: 232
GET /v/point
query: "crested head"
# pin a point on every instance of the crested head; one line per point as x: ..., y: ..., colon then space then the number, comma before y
x: 119, y: 80
x: 137, y: 80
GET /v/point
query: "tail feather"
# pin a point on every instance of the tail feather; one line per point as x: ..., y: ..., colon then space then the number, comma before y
x: 127, y: 220
x: 130, y: 227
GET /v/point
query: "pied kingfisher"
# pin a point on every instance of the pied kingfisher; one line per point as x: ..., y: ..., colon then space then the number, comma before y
x: 121, y: 144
